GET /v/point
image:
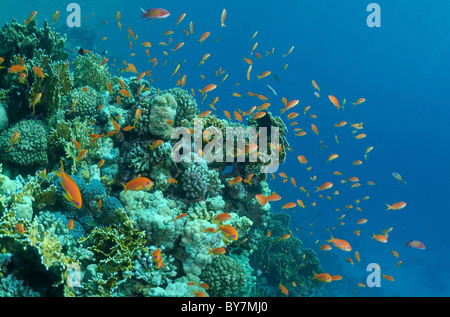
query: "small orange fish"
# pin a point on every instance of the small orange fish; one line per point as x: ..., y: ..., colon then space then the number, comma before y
x: 324, y: 186
x: 137, y: 184
x: 322, y: 277
x: 396, y: 206
x: 380, y: 237
x: 388, y: 277
x: 359, y: 101
x: 340, y: 244
x: 81, y: 155
x: 222, y: 217
x: 217, y: 251
x: 289, y: 205
x: 229, y: 231
x: 38, y: 72
x: 222, y: 18
x: 180, y: 216
x: 264, y: 74
x: 238, y: 116
x: 334, y: 101
x: 19, y: 228
x: 180, y: 18
x: 283, y: 289
x: 30, y: 18
x: 70, y: 224
x: 14, y: 139
x: 204, y: 37
x: 156, y: 255
x: 235, y: 180
x: 100, y: 163
x: 204, y: 113
x: 72, y: 192
x: 15, y: 69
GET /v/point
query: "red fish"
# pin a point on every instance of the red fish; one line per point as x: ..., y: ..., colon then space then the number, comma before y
x: 152, y: 14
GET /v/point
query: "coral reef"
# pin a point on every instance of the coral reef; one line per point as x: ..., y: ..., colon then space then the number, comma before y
x: 194, y: 229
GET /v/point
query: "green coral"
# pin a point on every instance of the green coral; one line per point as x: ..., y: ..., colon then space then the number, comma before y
x: 32, y: 146
x: 114, y: 249
x: 87, y: 101
x: 284, y: 259
x: 37, y: 253
x: 225, y: 277
x: 56, y: 84
x: 88, y: 72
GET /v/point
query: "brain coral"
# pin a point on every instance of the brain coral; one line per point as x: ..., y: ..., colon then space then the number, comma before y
x: 199, y: 181
x: 225, y: 277
x: 32, y: 146
x: 87, y: 101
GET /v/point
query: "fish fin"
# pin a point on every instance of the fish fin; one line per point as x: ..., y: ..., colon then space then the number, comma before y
x: 389, y: 207
x: 125, y: 188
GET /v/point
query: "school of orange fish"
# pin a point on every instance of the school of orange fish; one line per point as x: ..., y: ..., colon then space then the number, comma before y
x: 309, y: 195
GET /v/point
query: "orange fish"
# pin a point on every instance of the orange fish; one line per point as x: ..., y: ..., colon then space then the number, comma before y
x: 340, y: 124
x: 14, y: 140
x: 222, y: 217
x: 235, y: 180
x: 324, y: 186
x: 70, y: 224
x: 359, y: 101
x: 156, y: 255
x: 81, y: 155
x: 334, y: 101
x: 180, y: 216
x: 217, y: 251
x: 361, y: 221
x: 15, y: 69
x: 289, y: 205
x: 340, y: 244
x: 204, y: 37
x: 208, y: 88
x: 325, y: 247
x: 38, y: 72
x: 332, y: 157
x: 19, y: 228
x: 222, y: 18
x: 30, y: 18
x: 380, y: 237
x: 238, y: 116
x: 180, y: 18
x: 261, y: 199
x: 178, y: 46
x: 72, y: 192
x: 264, y: 74
x: 156, y: 143
x: 388, y: 277
x: 229, y: 231
x: 360, y: 136
x: 283, y: 289
x: 314, y: 128
x: 396, y: 206
x: 322, y: 277
x: 139, y: 183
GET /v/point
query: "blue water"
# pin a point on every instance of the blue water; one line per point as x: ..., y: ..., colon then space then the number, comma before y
x: 401, y: 69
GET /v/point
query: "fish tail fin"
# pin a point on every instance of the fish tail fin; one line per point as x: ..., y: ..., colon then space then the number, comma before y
x: 389, y: 207
x: 331, y: 239
x: 125, y: 188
